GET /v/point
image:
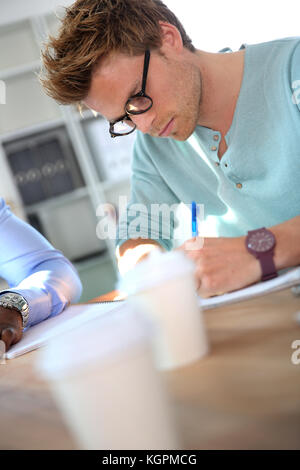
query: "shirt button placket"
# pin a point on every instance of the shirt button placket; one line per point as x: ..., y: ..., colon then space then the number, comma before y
x: 214, y: 148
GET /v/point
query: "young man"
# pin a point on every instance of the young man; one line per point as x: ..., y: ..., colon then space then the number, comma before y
x: 222, y: 129
x: 42, y: 281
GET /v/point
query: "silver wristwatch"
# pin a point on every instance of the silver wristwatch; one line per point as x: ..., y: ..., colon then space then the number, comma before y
x: 16, y: 302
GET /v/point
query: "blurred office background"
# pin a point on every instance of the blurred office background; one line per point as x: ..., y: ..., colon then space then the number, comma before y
x: 57, y: 166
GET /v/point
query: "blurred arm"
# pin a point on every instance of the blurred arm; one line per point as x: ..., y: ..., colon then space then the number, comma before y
x: 34, y: 269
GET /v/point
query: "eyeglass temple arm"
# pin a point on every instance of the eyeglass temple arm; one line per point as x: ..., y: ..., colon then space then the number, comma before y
x: 146, y: 66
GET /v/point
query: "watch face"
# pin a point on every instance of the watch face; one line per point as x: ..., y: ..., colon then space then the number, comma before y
x: 261, y: 241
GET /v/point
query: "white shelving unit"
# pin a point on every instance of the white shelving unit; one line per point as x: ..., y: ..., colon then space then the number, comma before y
x: 104, y: 163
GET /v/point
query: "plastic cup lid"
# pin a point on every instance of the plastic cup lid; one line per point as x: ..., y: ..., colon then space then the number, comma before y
x: 105, y: 340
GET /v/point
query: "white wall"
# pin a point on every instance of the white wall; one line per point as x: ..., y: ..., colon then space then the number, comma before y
x: 215, y: 24
x: 15, y: 10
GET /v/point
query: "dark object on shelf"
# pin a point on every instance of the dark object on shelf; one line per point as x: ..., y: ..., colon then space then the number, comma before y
x: 44, y: 166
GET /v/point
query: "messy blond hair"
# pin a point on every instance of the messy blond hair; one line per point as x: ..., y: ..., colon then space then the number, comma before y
x: 90, y: 30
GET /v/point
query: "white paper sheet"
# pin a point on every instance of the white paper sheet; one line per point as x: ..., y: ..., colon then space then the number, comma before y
x: 288, y: 279
x: 72, y: 317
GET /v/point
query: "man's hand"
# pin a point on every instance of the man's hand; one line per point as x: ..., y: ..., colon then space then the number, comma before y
x: 134, y: 251
x: 222, y: 264
x: 10, y: 326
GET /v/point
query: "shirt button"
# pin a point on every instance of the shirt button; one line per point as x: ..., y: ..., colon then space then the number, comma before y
x: 225, y: 164
x: 216, y: 137
x: 214, y: 148
x: 239, y: 185
x: 217, y: 163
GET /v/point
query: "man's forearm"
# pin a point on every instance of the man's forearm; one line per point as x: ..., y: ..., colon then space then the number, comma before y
x: 287, y: 250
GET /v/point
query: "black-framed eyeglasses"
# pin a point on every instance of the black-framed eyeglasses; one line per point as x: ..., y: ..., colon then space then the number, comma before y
x: 137, y: 104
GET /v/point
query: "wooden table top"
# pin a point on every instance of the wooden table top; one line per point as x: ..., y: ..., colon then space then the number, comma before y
x: 244, y: 395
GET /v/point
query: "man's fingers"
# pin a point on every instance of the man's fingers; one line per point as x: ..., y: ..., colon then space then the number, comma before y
x: 8, y: 336
x: 194, y: 244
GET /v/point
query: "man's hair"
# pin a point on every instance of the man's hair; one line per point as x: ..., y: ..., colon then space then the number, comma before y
x: 92, y: 29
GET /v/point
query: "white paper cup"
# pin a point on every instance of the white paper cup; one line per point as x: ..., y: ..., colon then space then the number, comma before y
x: 163, y: 287
x: 103, y: 377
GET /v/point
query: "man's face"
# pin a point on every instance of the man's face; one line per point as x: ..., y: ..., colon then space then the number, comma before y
x: 173, y: 85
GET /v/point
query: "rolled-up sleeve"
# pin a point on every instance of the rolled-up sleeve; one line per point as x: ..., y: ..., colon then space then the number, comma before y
x: 34, y: 269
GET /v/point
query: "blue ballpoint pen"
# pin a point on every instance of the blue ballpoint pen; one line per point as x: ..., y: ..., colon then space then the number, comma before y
x: 194, y: 220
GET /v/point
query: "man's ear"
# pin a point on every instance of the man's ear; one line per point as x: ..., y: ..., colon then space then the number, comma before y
x: 170, y: 37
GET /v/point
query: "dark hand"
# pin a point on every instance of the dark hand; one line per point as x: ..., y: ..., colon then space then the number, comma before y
x: 10, y: 326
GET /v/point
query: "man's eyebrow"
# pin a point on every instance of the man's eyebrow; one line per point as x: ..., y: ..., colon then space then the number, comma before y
x: 132, y: 92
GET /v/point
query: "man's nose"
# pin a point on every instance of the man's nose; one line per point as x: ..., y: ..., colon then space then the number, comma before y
x: 143, y: 121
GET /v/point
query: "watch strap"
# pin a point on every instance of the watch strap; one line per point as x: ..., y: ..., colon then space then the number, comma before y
x: 267, y: 266
x: 265, y: 258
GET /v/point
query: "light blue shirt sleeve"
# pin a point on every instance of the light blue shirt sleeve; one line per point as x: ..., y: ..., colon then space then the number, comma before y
x: 34, y: 269
x: 149, y: 196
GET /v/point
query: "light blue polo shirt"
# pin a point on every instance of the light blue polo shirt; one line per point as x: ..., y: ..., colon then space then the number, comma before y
x: 257, y: 181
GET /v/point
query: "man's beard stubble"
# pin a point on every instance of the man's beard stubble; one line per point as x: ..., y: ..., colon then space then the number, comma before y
x: 193, y: 106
